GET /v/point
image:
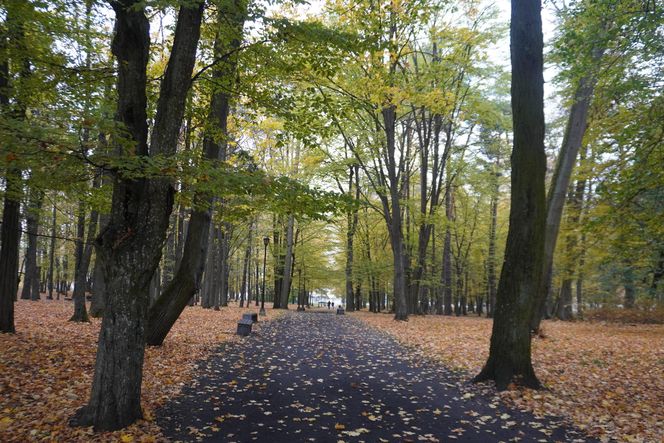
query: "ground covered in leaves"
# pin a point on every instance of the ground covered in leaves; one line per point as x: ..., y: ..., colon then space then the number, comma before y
x: 608, y: 379
x: 46, y: 370
x: 320, y: 377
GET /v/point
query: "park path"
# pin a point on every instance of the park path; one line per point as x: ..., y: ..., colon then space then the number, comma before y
x: 325, y: 378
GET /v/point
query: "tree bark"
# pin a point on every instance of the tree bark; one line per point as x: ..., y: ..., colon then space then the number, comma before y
x: 10, y: 233
x: 51, y: 257
x: 288, y: 263
x: 521, y: 276
x: 9, y: 238
x: 491, y: 259
x: 81, y: 267
x: 447, y: 253
x: 208, y: 277
x: 130, y: 245
x: 569, y: 150
x: 32, y: 223
x: 351, y: 219
x: 168, y: 307
x: 97, y: 303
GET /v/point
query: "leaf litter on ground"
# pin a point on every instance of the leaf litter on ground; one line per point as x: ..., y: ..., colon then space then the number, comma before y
x: 46, y: 370
x: 607, y: 379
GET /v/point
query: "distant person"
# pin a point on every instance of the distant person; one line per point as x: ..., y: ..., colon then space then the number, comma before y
x: 328, y: 305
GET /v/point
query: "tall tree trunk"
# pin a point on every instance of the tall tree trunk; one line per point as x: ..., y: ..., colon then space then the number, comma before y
x: 564, y: 311
x: 246, y: 263
x: 257, y: 279
x: 279, y: 259
x: 83, y: 247
x: 130, y: 245
x: 98, y: 287
x: 491, y: 259
x: 9, y: 241
x: 288, y: 262
x: 352, y: 218
x: 447, y: 253
x: 569, y: 150
x: 187, y: 281
x: 51, y: 256
x: 628, y: 284
x: 225, y: 268
x: 81, y: 269
x: 206, y: 296
x: 32, y: 223
x: 219, y: 268
x: 399, y: 280
x: 521, y: 276
x: 10, y: 233
x: 393, y: 215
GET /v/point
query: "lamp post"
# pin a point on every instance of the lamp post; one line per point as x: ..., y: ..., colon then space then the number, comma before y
x: 266, y: 241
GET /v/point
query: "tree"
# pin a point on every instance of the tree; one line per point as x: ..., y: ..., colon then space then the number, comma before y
x: 510, y: 351
x: 130, y: 245
x: 172, y: 301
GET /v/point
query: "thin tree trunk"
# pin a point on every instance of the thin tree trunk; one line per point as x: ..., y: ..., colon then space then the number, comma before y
x: 447, y: 253
x: 246, y: 263
x: 98, y: 288
x: 81, y: 269
x: 352, y: 218
x: 279, y: 259
x: 491, y: 259
x: 32, y: 223
x: 218, y: 269
x: 288, y: 262
x: 206, y: 297
x: 51, y: 258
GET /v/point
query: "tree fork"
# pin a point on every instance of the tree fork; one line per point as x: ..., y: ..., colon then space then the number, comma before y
x: 139, y: 205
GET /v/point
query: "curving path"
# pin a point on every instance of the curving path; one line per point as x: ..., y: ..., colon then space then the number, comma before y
x: 325, y: 378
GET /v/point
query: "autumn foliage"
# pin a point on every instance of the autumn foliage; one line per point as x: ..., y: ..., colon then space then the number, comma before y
x: 46, y: 370
x: 607, y: 379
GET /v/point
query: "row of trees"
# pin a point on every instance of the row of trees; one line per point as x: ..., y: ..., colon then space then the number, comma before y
x: 369, y: 144
x: 442, y: 186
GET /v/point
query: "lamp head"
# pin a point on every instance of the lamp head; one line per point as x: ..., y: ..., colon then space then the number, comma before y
x: 266, y: 240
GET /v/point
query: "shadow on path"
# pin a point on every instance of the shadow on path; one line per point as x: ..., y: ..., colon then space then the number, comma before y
x: 327, y: 378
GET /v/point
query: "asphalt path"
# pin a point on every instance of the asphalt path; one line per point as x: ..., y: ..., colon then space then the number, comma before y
x: 320, y: 377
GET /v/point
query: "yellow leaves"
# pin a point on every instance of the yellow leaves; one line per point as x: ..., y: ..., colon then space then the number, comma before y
x: 126, y: 438
x: 339, y: 426
x: 5, y: 422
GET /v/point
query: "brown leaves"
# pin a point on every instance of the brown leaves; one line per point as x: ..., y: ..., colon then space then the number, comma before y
x: 608, y: 379
x: 46, y: 370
